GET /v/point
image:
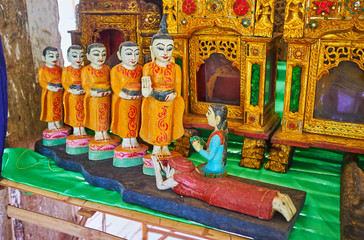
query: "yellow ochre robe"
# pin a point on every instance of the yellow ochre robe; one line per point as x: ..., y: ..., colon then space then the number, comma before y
x: 73, y: 104
x: 125, y: 113
x: 52, y: 107
x: 97, y: 109
x: 162, y: 121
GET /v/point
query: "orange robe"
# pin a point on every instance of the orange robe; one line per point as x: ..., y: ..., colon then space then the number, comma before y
x: 162, y: 121
x: 73, y: 104
x: 125, y: 113
x: 52, y: 107
x: 97, y: 109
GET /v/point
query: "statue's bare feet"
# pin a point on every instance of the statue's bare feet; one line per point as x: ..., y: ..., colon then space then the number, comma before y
x: 58, y: 124
x: 105, y: 135
x: 52, y: 126
x: 76, y: 131
x: 282, y: 203
x: 83, y: 131
x: 99, y: 136
x: 134, y: 143
x: 126, y: 143
x: 157, y: 151
x: 165, y: 151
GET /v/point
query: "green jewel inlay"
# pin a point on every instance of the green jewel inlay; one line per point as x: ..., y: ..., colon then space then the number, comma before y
x: 255, y: 80
x: 295, y: 89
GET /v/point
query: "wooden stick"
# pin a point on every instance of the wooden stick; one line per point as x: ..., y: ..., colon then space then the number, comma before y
x: 58, y: 224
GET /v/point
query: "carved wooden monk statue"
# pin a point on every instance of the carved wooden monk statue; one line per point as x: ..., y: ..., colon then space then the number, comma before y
x: 126, y: 104
x: 126, y: 100
x: 227, y: 193
x: 49, y: 76
x: 163, y: 105
x: 74, y: 94
x: 96, y: 83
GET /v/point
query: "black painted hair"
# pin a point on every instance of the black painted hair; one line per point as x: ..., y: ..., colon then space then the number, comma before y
x: 220, y: 110
x: 73, y: 47
x: 128, y: 44
x: 49, y: 48
x: 94, y: 45
x: 163, y: 30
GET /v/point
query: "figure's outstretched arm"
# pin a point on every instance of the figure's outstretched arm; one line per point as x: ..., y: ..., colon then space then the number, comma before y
x: 169, y: 182
x: 282, y: 203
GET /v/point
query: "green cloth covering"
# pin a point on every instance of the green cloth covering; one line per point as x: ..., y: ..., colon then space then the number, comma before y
x: 315, y: 171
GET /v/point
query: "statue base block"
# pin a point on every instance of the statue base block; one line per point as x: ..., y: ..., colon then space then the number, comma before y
x: 100, y: 150
x: 148, y: 168
x: 77, y: 144
x: 55, y: 137
x: 126, y: 157
x: 211, y: 175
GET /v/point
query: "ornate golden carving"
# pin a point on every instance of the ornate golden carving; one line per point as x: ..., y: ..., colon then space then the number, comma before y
x: 170, y: 8
x: 149, y: 16
x: 294, y: 24
x: 253, y: 153
x: 279, y: 8
x: 108, y: 7
x: 201, y: 47
x: 213, y: 13
x: 264, y: 17
x: 280, y: 158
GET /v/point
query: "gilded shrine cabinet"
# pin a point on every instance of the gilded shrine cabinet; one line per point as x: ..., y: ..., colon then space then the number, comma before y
x: 228, y: 55
x: 113, y: 22
x: 324, y: 94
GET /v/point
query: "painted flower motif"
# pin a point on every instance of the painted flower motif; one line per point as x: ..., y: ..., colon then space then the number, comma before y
x: 313, y: 24
x: 214, y: 6
x: 184, y: 21
x: 241, y: 7
x: 188, y: 6
x: 245, y: 22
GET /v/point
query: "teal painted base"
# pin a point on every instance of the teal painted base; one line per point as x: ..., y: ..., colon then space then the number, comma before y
x: 128, y: 162
x: 76, y: 151
x: 98, y: 155
x: 148, y: 171
x: 54, y: 142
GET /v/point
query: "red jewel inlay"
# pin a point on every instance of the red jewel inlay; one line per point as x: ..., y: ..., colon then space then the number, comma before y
x: 241, y: 7
x: 323, y: 6
x: 292, y: 126
x: 188, y: 6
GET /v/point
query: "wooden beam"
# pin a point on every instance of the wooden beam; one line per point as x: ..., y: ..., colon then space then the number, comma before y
x: 58, y: 224
x: 176, y: 226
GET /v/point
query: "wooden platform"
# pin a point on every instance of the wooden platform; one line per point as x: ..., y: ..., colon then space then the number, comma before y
x: 140, y: 189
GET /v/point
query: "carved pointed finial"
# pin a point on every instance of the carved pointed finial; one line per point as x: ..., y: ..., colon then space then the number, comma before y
x: 163, y: 30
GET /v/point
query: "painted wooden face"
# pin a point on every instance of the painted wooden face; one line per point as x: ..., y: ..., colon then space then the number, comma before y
x: 51, y: 58
x: 97, y: 56
x: 75, y: 57
x: 163, y: 49
x: 129, y: 56
x: 211, y: 117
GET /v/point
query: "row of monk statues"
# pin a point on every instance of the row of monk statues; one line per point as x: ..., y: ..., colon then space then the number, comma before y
x: 128, y: 100
x: 131, y: 101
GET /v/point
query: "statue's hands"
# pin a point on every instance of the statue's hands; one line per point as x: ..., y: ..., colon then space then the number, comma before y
x: 94, y: 93
x: 128, y: 97
x: 54, y: 88
x: 171, y: 96
x: 157, y: 167
x: 76, y: 91
x: 169, y: 171
x: 196, y: 145
x: 146, y: 86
